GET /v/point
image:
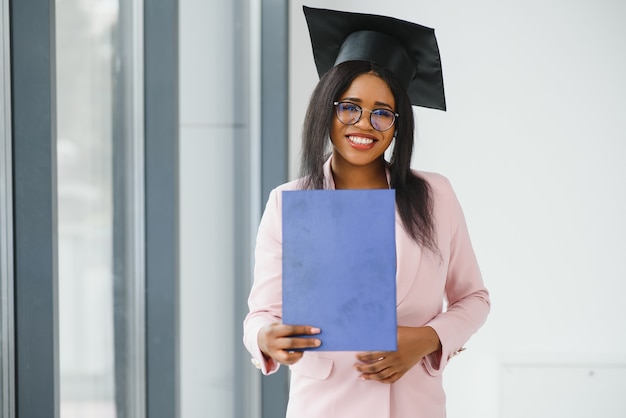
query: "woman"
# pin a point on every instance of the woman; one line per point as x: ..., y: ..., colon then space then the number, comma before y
x: 358, y: 109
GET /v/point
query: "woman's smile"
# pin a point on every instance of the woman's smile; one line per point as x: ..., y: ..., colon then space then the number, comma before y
x: 361, y: 142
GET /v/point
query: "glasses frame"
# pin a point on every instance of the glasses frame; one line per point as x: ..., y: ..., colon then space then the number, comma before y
x: 371, y: 112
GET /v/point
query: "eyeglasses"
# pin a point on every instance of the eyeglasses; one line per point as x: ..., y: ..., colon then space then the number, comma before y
x: 350, y: 113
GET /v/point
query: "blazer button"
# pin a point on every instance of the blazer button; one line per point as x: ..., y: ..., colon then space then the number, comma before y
x: 456, y: 353
x: 256, y: 363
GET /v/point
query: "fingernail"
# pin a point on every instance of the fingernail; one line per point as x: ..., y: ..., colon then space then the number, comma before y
x: 315, y: 330
x: 318, y: 343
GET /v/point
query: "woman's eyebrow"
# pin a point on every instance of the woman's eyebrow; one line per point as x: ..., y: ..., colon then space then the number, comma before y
x: 353, y: 99
x: 357, y: 100
x: 383, y: 104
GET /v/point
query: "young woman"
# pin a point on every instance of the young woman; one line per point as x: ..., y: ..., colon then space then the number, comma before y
x: 357, y: 111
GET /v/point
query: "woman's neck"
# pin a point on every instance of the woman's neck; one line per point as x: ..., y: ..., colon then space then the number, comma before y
x: 371, y: 176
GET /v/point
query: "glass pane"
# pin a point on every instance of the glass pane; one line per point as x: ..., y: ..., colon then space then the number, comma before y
x: 98, y: 321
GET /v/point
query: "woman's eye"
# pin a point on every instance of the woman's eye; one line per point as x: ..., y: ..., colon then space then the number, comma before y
x: 350, y: 108
x: 382, y: 113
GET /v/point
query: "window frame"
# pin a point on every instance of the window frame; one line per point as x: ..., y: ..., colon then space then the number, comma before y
x: 7, y: 355
x: 33, y: 239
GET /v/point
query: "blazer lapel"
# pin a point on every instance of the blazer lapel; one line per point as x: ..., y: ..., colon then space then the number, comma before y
x: 408, y: 256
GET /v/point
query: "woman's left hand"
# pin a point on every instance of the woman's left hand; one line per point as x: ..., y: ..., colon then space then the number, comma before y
x: 389, y: 366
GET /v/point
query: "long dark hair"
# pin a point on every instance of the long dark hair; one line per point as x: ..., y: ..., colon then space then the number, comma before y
x: 413, y: 194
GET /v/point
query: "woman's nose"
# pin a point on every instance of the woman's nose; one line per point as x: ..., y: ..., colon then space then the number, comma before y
x: 364, y: 121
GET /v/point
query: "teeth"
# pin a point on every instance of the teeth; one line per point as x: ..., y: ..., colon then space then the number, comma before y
x: 359, y: 140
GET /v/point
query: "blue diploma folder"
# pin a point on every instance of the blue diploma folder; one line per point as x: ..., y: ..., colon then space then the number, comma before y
x: 339, y: 267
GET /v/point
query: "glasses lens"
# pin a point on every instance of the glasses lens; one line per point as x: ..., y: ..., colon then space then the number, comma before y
x: 382, y: 119
x: 348, y: 113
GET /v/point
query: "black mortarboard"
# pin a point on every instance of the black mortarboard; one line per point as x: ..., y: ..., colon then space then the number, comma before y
x: 407, y: 50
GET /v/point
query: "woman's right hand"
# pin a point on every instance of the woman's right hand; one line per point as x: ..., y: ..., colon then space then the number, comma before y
x: 280, y: 342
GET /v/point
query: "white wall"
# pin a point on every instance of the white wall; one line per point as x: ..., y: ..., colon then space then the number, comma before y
x: 534, y: 141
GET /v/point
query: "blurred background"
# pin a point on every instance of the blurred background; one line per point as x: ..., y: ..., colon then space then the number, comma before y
x: 533, y: 141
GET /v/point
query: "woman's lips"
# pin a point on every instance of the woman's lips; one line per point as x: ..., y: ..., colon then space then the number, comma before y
x: 361, y: 142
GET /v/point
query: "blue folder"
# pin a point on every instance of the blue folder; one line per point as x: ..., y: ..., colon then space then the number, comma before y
x: 339, y: 267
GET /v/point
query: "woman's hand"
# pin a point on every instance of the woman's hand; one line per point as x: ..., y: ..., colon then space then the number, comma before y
x: 389, y: 366
x: 280, y: 342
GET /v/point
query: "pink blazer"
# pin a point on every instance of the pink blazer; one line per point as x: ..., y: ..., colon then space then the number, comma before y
x: 324, y: 384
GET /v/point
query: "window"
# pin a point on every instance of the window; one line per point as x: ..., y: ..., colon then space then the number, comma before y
x: 100, y: 209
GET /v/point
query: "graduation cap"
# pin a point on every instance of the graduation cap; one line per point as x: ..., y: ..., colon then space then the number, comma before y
x: 408, y: 50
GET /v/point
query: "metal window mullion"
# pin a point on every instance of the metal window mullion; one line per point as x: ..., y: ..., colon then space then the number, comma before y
x: 161, y: 206
x: 33, y: 122
x: 274, y: 148
x: 129, y: 214
x: 247, y: 60
x: 137, y: 210
x: 7, y: 382
x: 249, y: 379
x: 132, y: 193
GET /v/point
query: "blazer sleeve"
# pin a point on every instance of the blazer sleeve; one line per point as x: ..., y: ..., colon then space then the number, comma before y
x: 265, y: 299
x: 468, y: 299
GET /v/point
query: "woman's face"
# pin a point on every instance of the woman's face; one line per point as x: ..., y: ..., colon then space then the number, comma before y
x: 360, y: 144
